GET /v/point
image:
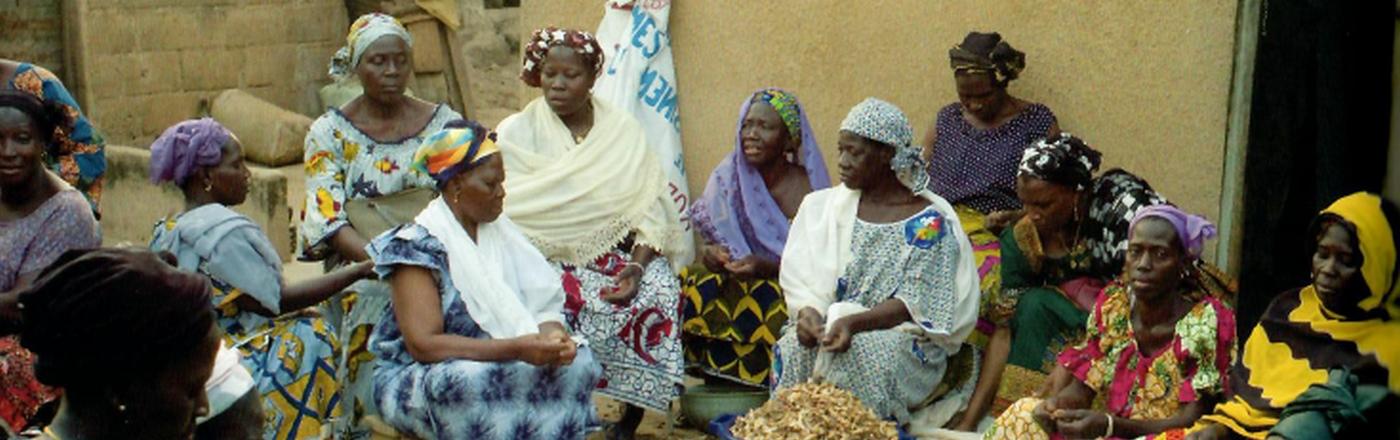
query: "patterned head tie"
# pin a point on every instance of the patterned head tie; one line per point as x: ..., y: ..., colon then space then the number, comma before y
x: 452, y: 151
x: 186, y: 146
x: 885, y: 123
x: 363, y: 32
x: 987, y: 53
x: 1062, y: 159
x: 542, y: 40
x: 785, y: 103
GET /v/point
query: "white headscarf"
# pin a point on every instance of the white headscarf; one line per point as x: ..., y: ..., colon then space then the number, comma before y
x: 363, y: 32
x: 508, y: 287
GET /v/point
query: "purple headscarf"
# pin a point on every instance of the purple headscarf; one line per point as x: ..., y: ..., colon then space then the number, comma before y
x: 186, y: 146
x: 736, y: 211
x: 1191, y: 229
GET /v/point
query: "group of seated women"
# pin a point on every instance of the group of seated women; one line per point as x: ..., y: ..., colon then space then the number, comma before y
x: 985, y: 280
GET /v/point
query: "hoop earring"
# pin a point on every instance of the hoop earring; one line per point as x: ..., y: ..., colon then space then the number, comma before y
x: 208, y: 185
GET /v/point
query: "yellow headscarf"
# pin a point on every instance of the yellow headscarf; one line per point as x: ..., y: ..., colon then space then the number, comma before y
x: 1282, y: 368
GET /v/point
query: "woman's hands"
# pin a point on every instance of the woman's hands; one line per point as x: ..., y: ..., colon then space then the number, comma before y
x: 553, y: 349
x: 628, y: 283
x: 809, y: 327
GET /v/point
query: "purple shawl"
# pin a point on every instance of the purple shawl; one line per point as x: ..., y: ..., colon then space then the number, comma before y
x: 736, y: 210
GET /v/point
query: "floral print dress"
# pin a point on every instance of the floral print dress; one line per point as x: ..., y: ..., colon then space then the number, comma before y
x: 1134, y: 384
x: 343, y: 163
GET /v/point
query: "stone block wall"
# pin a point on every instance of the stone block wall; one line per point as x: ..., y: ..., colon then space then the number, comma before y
x: 150, y: 63
x: 32, y: 31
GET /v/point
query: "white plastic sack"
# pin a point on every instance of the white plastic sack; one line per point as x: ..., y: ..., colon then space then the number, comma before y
x: 640, y: 76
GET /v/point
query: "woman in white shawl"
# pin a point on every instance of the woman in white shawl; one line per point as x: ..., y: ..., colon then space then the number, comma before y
x: 583, y: 185
x: 475, y: 346
x: 880, y: 278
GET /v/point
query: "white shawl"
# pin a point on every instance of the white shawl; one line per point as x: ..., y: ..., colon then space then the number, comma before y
x: 819, y: 249
x: 507, y: 286
x: 577, y: 201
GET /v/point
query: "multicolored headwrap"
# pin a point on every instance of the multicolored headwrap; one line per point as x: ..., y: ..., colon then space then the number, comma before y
x: 1062, y: 159
x: 785, y: 103
x: 543, y: 39
x: 988, y: 53
x: 1193, y: 230
x: 451, y: 151
x: 363, y: 32
x: 186, y: 146
x: 885, y: 123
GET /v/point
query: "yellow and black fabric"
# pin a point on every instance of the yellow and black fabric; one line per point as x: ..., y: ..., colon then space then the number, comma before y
x: 730, y: 324
x: 1298, y: 341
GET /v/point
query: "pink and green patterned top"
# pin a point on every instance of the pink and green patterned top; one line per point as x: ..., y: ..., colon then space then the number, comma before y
x: 1147, y: 386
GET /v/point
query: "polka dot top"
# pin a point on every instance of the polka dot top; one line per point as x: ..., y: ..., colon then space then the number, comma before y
x: 976, y: 167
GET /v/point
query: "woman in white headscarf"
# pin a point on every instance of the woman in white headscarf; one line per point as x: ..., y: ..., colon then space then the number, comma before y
x: 362, y: 150
x: 583, y: 185
x: 879, y: 278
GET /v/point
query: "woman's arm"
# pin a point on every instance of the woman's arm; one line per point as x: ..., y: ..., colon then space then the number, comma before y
x: 1093, y: 424
x: 313, y: 291
x: 418, y: 310
x: 348, y: 242
x: 988, y: 381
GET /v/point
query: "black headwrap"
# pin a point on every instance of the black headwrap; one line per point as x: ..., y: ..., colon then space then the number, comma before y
x: 1062, y: 159
x: 103, y: 313
x: 988, y: 53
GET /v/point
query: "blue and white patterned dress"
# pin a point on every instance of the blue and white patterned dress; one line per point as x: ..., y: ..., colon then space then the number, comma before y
x: 462, y: 399
x: 891, y: 371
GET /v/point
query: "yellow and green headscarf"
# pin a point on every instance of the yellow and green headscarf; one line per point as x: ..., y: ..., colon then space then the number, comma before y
x: 785, y: 104
x: 451, y: 151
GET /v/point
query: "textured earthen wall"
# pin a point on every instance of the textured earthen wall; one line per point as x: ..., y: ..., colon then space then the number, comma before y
x: 1146, y: 82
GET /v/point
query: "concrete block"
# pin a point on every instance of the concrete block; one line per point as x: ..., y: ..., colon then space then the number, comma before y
x: 117, y: 34
x: 166, y: 29
x: 210, y: 69
x: 268, y: 65
x: 271, y: 135
x: 166, y: 109
x: 132, y: 205
x: 312, y: 61
x: 157, y: 72
x: 119, y: 118
x: 260, y: 25
x: 111, y: 74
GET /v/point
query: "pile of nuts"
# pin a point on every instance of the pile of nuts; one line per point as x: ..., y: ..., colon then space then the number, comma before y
x: 813, y: 411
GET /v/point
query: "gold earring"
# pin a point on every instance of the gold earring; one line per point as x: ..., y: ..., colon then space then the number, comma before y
x: 208, y: 185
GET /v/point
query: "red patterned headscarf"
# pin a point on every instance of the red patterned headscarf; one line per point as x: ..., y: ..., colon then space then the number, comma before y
x: 543, y: 39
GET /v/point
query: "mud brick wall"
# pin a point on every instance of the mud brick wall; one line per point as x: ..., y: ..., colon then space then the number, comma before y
x: 32, y: 31
x: 150, y: 63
